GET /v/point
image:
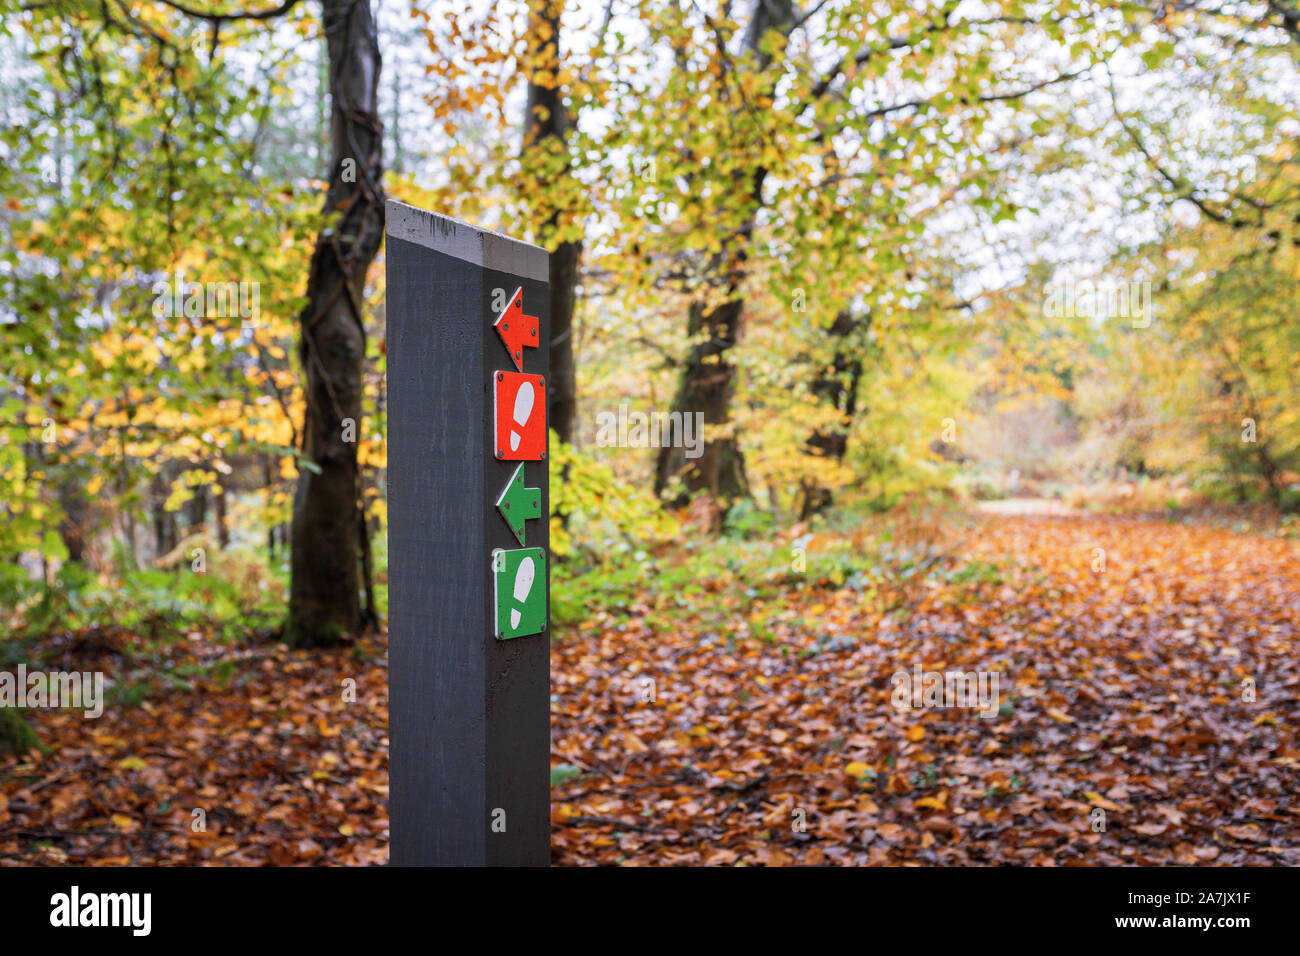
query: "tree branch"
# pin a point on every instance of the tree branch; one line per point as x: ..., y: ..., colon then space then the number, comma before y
x: 214, y: 17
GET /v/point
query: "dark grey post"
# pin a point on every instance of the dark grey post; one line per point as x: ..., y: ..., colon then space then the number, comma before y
x: 468, y: 710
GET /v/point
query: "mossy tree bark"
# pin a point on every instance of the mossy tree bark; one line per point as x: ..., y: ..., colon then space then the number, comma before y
x: 328, y: 527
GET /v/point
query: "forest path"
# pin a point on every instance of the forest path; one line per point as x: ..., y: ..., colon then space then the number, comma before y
x: 1123, y: 646
x: 1025, y: 506
x: 760, y: 729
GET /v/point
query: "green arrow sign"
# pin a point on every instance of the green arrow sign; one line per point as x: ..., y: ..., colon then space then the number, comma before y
x: 518, y: 504
x: 519, y: 584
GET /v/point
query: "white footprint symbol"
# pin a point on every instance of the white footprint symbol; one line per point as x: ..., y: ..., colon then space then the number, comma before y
x: 523, y: 584
x: 523, y: 408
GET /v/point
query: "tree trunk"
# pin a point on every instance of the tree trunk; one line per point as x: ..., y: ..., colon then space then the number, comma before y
x: 164, y: 521
x: 75, y: 525
x: 1272, y: 474
x: 546, y: 124
x: 708, y: 378
x: 708, y: 381
x: 324, y: 597
x: 269, y: 485
x: 219, y: 513
x: 837, y: 385
x: 562, y: 397
x: 196, y: 509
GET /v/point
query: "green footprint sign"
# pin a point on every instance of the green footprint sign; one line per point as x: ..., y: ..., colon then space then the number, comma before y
x: 519, y: 583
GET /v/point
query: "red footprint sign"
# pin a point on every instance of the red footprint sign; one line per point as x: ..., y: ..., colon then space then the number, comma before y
x: 520, y: 416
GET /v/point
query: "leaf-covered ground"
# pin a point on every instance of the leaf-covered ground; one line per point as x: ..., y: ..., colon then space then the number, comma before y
x: 262, y: 740
x: 754, y: 724
x: 1125, y: 694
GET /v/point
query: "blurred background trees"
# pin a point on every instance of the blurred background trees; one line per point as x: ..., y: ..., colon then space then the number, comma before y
x: 833, y: 228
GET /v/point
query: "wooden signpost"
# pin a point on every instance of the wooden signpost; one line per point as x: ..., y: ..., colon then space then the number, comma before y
x: 468, y: 545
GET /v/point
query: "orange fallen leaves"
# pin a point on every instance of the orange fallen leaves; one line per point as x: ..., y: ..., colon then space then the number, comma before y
x: 1121, y: 692
x: 122, y: 790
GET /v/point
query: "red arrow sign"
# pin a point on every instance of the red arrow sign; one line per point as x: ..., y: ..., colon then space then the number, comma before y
x: 517, y: 331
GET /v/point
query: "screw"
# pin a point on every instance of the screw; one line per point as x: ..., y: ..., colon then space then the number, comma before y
x: 506, y: 326
x: 534, y: 333
x: 500, y: 377
x: 500, y: 453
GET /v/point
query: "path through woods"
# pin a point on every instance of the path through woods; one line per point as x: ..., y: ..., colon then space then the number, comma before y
x: 1126, y: 695
x: 1122, y: 691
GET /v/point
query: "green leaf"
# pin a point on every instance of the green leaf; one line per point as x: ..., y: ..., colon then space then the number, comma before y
x: 563, y: 773
x: 52, y: 546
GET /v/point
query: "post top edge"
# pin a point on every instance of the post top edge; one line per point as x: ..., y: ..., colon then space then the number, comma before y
x: 463, y: 240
